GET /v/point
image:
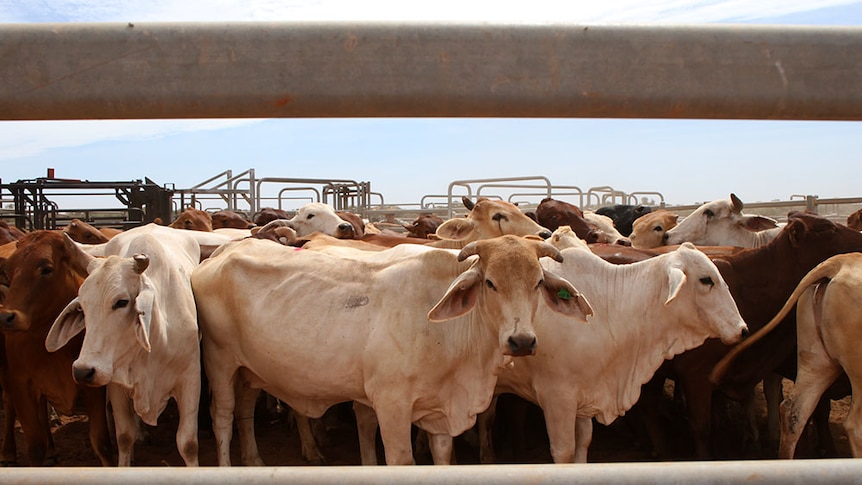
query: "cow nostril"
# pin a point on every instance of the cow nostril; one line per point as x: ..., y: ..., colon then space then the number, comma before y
x: 522, y: 345
x: 545, y: 234
x: 745, y: 332
x: 84, y: 374
x: 7, y: 319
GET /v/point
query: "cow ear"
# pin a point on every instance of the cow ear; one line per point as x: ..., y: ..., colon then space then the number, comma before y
x: 69, y: 323
x: 676, y: 278
x: 459, y: 298
x: 564, y: 298
x: 457, y: 229
x: 758, y: 223
x: 144, y: 310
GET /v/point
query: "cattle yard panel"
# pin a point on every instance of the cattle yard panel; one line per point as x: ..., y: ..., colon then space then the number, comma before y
x: 238, y: 70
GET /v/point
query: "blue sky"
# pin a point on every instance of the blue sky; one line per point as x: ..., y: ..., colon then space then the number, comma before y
x: 686, y: 160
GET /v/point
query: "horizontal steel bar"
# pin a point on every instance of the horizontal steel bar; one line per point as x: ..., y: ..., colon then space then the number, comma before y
x: 803, y: 472
x: 239, y: 70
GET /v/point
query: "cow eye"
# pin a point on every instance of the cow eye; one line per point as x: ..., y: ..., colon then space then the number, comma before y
x: 121, y: 303
x: 310, y: 216
x: 541, y: 282
x: 709, y: 213
x: 658, y: 228
x: 490, y: 285
x: 46, y: 270
x: 707, y: 281
x: 499, y: 217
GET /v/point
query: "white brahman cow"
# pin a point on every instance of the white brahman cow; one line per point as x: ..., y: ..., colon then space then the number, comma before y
x: 722, y: 223
x: 141, y: 338
x: 315, y: 217
x: 828, y: 334
x: 644, y: 313
x: 365, y: 328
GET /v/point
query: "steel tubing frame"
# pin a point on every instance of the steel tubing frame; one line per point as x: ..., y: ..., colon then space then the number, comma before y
x: 273, y: 70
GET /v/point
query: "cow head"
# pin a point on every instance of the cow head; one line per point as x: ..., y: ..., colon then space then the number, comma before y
x: 116, y: 304
x: 648, y: 231
x: 318, y: 217
x: 230, y: 219
x: 488, y: 219
x: 718, y: 223
x: 39, y: 279
x: 553, y: 213
x: 84, y: 233
x: 710, y: 303
x: 423, y: 226
x: 505, y: 282
x: 193, y: 220
x: 854, y: 220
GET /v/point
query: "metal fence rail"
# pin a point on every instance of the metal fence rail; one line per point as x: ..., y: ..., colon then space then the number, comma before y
x: 767, y: 472
x: 268, y: 70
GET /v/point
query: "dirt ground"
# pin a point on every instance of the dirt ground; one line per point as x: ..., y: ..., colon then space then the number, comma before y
x: 336, y: 433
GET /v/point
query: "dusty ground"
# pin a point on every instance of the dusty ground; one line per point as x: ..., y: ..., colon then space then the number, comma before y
x: 279, y: 442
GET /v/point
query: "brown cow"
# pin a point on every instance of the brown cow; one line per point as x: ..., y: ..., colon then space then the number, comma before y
x: 423, y: 226
x: 553, y: 213
x: 355, y: 221
x: 760, y: 280
x: 9, y: 233
x: 85, y: 233
x: 267, y: 215
x: 854, y: 220
x: 41, y: 282
x: 193, y: 220
x: 230, y: 219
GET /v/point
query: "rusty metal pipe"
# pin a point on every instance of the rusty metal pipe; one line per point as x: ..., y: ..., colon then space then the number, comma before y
x: 263, y: 70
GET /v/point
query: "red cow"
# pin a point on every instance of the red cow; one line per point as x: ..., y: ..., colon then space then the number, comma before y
x: 854, y: 220
x: 194, y: 220
x: 85, y: 233
x: 41, y: 282
x: 9, y: 233
x: 268, y: 214
x: 553, y: 213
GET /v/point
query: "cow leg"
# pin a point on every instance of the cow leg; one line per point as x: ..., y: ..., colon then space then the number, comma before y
x: 28, y: 406
x: 560, y: 423
x: 395, y: 431
x: 188, y: 403
x: 125, y: 424
x: 366, y: 426
x: 825, y: 443
x: 774, y: 394
x: 310, y: 451
x: 97, y: 412
x: 485, y: 422
x: 698, y: 397
x: 9, y: 453
x: 583, y: 438
x: 441, y: 448
x: 246, y: 398
x: 853, y: 422
x: 222, y: 403
x: 816, y: 373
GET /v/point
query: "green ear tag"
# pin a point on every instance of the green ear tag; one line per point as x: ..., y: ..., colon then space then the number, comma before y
x: 564, y: 294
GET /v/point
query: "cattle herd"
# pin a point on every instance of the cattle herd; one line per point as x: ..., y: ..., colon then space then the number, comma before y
x: 432, y: 332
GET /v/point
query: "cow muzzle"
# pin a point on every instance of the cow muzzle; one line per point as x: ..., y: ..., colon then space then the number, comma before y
x: 522, y: 344
x: 12, y: 320
x: 86, y: 374
x: 345, y: 231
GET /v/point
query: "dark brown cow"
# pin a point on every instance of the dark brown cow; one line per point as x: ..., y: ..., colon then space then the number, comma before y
x: 230, y: 219
x: 193, y: 220
x: 423, y: 226
x: 553, y: 213
x: 854, y: 220
x: 41, y: 282
x: 268, y: 214
x: 760, y: 280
